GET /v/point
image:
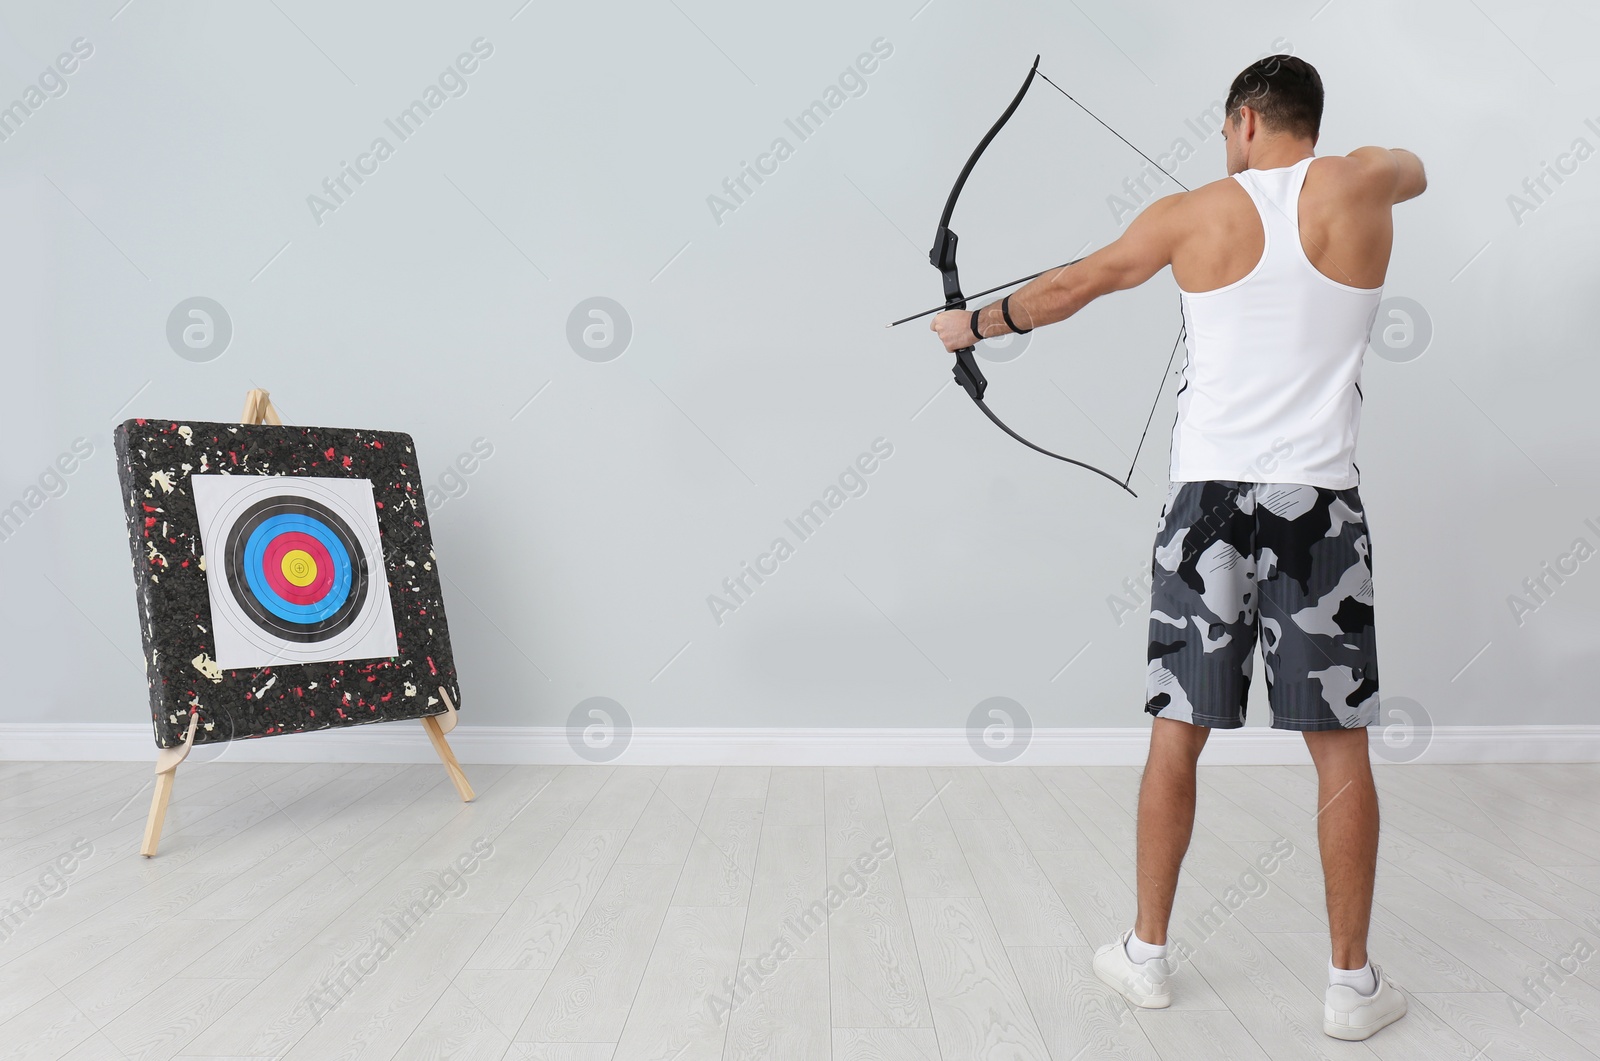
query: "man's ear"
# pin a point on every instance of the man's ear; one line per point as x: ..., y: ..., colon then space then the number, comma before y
x: 1247, y: 122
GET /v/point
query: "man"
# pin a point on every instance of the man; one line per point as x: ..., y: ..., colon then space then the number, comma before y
x: 1263, y: 536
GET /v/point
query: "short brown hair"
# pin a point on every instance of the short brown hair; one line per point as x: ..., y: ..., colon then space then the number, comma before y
x: 1285, y: 90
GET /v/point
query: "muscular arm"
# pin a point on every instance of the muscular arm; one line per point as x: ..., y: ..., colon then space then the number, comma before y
x: 1128, y: 261
x: 1394, y: 173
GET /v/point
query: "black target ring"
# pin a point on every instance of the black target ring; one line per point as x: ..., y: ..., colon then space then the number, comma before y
x: 244, y: 539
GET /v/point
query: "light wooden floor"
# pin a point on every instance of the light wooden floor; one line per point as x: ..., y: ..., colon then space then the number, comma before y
x: 616, y: 902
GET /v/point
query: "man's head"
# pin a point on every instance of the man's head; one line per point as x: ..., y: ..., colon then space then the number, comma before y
x: 1273, y: 101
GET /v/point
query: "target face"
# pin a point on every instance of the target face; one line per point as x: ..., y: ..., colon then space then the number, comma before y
x: 295, y: 570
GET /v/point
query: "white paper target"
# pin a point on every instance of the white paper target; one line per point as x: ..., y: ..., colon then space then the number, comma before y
x: 294, y: 570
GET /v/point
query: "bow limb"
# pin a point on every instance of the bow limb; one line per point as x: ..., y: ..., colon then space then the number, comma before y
x: 1104, y: 474
x: 943, y: 253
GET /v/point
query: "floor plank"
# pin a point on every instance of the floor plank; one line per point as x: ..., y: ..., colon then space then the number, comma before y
x: 978, y: 1005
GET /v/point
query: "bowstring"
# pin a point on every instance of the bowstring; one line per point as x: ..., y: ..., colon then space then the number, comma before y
x: 1183, y: 331
x: 1112, y: 131
x: 1183, y: 326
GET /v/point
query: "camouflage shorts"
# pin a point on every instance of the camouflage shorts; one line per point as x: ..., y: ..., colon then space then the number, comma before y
x: 1289, y: 564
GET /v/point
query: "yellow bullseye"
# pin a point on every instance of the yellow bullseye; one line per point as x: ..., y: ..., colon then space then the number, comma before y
x: 299, y: 568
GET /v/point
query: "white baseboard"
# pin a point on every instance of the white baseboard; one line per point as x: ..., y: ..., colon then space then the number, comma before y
x: 405, y: 742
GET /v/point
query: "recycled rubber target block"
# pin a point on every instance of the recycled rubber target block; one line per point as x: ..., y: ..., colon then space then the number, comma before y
x: 285, y: 576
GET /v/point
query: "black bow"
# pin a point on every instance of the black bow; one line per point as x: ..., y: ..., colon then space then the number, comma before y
x: 943, y: 256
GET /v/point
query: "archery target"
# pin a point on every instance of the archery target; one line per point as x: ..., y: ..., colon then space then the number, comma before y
x: 294, y: 569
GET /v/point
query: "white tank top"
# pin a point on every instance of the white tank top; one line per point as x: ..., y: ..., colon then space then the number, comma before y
x: 1272, y: 380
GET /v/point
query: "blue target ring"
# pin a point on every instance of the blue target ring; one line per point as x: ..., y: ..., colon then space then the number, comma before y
x: 255, y: 551
x: 260, y: 533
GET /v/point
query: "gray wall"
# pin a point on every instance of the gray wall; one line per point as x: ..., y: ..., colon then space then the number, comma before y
x: 578, y: 163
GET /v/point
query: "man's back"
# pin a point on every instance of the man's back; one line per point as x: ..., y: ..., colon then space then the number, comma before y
x: 1281, y: 266
x: 1345, y: 219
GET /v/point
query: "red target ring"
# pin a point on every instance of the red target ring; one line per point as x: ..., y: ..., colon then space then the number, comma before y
x: 272, y: 567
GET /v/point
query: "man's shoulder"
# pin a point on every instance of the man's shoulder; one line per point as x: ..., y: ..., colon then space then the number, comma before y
x: 1201, y: 204
x: 1204, y: 195
x: 1364, y: 172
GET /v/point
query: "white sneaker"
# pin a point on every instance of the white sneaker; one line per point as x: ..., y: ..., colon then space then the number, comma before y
x: 1144, y: 984
x: 1348, y: 1014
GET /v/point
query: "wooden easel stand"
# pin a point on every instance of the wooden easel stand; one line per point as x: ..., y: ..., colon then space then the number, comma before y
x: 258, y: 409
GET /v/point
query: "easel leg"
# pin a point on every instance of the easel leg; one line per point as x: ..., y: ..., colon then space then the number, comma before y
x: 158, y: 813
x: 167, y: 760
x: 436, y: 732
x: 258, y: 408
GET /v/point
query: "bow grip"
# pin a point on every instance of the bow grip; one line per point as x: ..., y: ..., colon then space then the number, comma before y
x: 943, y: 257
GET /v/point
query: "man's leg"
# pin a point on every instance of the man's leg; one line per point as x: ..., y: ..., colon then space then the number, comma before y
x: 1166, y: 821
x: 1347, y: 831
x: 1320, y: 650
x: 1202, y: 634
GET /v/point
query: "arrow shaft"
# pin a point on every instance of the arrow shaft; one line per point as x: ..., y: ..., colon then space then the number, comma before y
x: 985, y: 291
